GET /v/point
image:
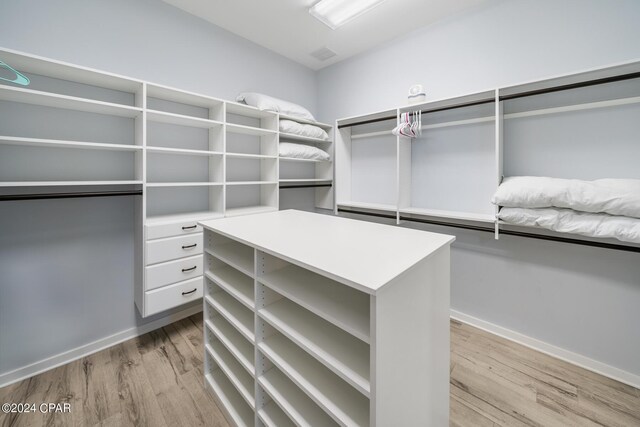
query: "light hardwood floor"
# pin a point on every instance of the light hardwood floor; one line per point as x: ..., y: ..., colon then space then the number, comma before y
x: 157, y: 380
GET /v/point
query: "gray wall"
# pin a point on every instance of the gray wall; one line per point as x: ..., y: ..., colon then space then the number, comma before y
x: 66, y: 266
x: 581, y: 299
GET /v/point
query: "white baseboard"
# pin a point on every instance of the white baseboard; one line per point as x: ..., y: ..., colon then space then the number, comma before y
x: 551, y: 350
x: 93, y: 347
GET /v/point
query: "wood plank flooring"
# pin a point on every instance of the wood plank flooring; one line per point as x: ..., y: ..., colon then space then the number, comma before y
x: 157, y: 380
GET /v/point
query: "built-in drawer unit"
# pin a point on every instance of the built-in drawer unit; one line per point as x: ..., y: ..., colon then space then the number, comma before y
x: 174, y: 295
x: 171, y: 248
x: 172, y: 229
x: 166, y: 273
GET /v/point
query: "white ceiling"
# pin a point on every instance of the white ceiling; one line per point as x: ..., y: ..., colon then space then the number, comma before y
x: 285, y: 26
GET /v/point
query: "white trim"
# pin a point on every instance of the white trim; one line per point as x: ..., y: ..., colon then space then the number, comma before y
x: 43, y: 365
x: 550, y: 350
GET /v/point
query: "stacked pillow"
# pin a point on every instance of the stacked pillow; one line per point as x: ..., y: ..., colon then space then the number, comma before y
x: 311, y: 131
x: 600, y: 208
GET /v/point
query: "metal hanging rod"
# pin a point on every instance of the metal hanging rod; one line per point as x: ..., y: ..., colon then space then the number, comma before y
x: 572, y: 86
x: 425, y: 111
x: 282, y: 187
x: 603, y: 245
x: 76, y: 195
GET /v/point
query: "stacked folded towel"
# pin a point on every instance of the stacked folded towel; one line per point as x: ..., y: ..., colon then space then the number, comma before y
x: 608, y: 208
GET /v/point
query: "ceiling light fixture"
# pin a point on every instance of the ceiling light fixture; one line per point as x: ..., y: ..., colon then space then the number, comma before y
x: 334, y: 13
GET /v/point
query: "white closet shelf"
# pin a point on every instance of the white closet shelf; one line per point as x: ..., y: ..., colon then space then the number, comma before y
x: 182, y: 96
x: 236, y: 255
x: 251, y: 182
x: 181, y: 120
x: 302, y: 410
x: 249, y: 210
x: 250, y: 156
x: 183, y: 151
x: 294, y: 159
x: 38, y: 142
x: 232, y: 402
x: 306, y: 180
x: 248, y: 111
x: 61, y: 70
x: 305, y: 121
x: 466, y: 216
x: 191, y: 216
x: 235, y: 313
x: 237, y: 345
x: 48, y: 99
x: 241, y: 380
x: 249, y: 130
x: 64, y: 183
x: 574, y: 107
x: 367, y: 205
x: 237, y: 284
x: 346, y: 405
x: 294, y: 137
x: 342, y: 353
x: 184, y: 184
x: 272, y: 416
x: 341, y: 305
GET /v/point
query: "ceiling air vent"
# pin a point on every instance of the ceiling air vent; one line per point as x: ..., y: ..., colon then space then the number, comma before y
x: 323, y: 54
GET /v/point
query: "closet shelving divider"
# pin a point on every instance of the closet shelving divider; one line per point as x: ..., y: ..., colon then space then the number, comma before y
x: 562, y: 127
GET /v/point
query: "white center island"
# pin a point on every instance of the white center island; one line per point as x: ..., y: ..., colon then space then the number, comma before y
x: 315, y: 320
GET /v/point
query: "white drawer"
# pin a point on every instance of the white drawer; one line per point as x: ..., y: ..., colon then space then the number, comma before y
x: 171, y: 248
x: 172, y: 296
x: 173, y: 271
x: 178, y: 228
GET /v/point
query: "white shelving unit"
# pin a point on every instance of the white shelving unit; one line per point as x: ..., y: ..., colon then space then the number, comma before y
x: 193, y: 156
x: 562, y: 127
x: 331, y: 337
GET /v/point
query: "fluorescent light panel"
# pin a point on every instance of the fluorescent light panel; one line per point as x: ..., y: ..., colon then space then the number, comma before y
x: 335, y: 13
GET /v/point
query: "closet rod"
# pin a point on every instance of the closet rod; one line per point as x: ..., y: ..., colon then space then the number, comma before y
x: 282, y: 187
x: 14, y: 197
x: 426, y: 111
x: 603, y: 245
x: 572, y: 86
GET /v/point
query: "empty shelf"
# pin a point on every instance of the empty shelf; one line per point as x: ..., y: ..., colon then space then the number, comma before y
x: 64, y: 183
x: 249, y: 130
x: 339, y: 304
x: 306, y: 180
x: 38, y: 142
x: 272, y: 416
x: 48, y: 99
x: 249, y: 210
x: 248, y: 111
x: 236, y: 255
x: 190, y: 216
x: 183, y: 184
x: 181, y: 120
x: 466, y: 216
x: 237, y: 314
x: 346, y: 405
x: 345, y: 355
x: 251, y: 182
x: 237, y: 284
x: 182, y: 151
x: 302, y: 410
x: 237, y: 345
x: 367, y: 205
x: 249, y: 156
x: 232, y: 402
x: 242, y: 381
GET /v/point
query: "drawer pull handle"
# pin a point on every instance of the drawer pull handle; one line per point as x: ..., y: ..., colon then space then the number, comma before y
x: 184, y: 270
x: 190, y: 292
x: 190, y: 246
x: 191, y: 227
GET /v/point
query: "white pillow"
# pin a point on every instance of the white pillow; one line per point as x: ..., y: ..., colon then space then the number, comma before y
x: 612, y: 196
x: 289, y: 126
x: 301, y: 151
x: 569, y: 221
x: 269, y: 103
